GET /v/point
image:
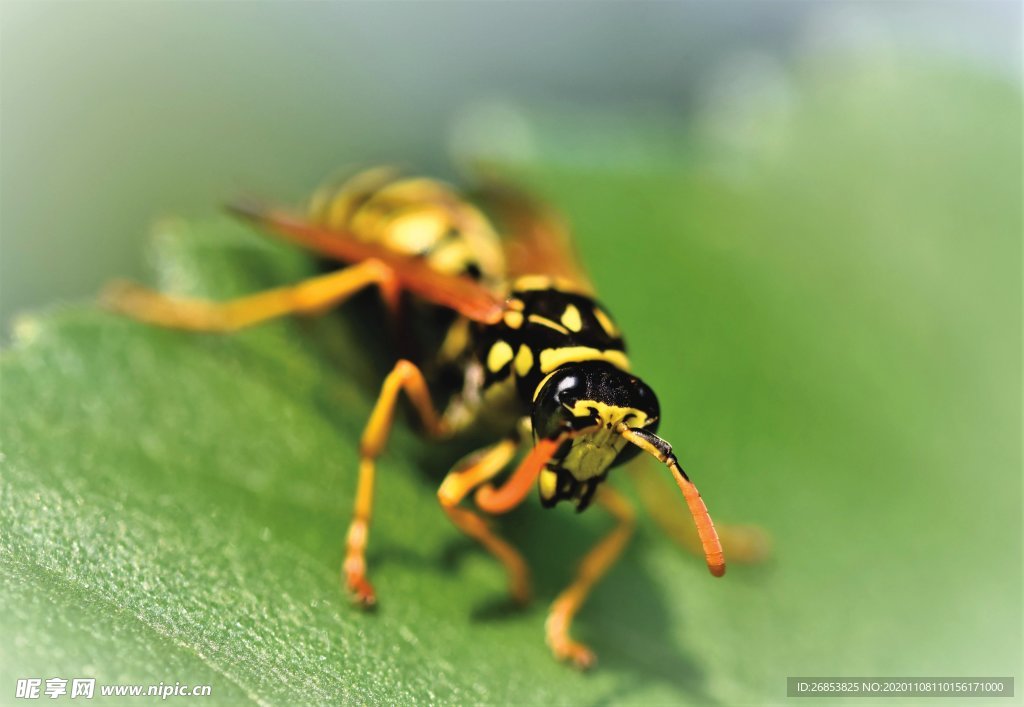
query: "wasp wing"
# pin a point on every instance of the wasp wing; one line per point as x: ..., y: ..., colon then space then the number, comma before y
x: 536, y: 239
x: 455, y: 292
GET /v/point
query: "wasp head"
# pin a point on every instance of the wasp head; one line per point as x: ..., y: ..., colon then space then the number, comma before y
x: 586, y: 402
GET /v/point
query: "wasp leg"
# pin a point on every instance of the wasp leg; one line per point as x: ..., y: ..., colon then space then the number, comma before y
x: 456, y: 486
x: 404, y: 376
x: 307, y: 297
x: 741, y: 543
x: 504, y: 499
x: 593, y: 566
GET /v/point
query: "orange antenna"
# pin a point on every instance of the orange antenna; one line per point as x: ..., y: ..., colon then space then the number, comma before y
x: 662, y: 451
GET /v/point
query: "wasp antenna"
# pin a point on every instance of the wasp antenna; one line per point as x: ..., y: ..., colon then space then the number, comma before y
x: 662, y: 451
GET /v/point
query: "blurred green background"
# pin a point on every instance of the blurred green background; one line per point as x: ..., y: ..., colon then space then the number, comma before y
x: 807, y: 219
x: 117, y: 113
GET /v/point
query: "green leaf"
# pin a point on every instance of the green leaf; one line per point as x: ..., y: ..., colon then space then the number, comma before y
x: 832, y: 325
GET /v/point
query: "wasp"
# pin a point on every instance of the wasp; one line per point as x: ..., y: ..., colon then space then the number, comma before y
x: 526, y: 353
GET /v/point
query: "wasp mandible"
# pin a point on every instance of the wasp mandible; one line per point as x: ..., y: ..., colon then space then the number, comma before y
x: 527, y: 353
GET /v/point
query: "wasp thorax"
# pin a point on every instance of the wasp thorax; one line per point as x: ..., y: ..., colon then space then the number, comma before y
x: 589, y: 400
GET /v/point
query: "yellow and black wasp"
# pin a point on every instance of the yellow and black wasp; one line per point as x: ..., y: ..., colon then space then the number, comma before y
x: 528, y: 355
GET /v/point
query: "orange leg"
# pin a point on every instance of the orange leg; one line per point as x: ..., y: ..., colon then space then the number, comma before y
x: 742, y: 543
x: 404, y: 376
x: 510, y: 495
x: 594, y: 566
x: 458, y: 484
x: 307, y: 297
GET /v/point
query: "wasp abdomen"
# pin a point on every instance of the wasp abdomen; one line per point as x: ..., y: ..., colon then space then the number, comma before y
x: 417, y: 217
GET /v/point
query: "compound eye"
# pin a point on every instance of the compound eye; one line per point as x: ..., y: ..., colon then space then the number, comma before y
x: 551, y: 409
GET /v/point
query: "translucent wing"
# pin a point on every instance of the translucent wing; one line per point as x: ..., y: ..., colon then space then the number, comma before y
x: 536, y: 239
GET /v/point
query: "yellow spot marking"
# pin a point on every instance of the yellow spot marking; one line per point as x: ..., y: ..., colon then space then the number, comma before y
x: 451, y: 258
x: 516, y: 304
x: 532, y: 282
x: 543, y: 282
x: 500, y: 354
x: 606, y: 413
x: 550, y: 359
x: 606, y: 323
x: 455, y: 341
x: 524, y: 360
x: 544, y: 321
x: 571, y: 318
x: 416, y: 232
x: 513, y: 319
x: 548, y: 484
